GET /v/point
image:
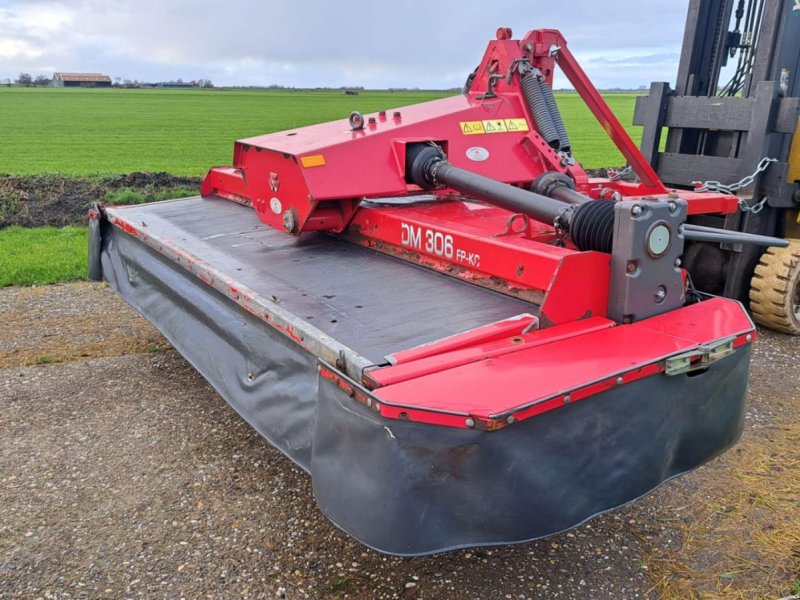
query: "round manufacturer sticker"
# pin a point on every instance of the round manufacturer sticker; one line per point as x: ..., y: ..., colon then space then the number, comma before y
x: 477, y: 153
x: 275, y: 205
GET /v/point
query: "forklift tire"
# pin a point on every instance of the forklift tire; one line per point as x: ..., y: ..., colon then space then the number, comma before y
x: 775, y: 289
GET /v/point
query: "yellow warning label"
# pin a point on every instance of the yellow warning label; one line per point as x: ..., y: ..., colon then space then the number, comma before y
x: 516, y: 125
x: 471, y: 127
x: 495, y: 126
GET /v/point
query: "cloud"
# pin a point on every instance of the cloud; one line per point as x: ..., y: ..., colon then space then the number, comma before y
x: 408, y: 43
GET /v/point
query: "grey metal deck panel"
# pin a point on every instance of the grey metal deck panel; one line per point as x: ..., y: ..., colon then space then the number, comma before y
x: 372, y: 303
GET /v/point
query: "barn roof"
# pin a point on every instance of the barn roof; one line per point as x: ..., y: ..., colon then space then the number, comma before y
x: 89, y: 77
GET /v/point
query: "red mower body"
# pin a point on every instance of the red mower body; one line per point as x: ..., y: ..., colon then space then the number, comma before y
x: 480, y: 372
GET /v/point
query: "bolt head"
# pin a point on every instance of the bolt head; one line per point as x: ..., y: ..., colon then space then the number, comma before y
x: 567, y: 399
x: 749, y: 338
x: 636, y: 210
x: 620, y: 380
x: 469, y: 423
x: 369, y: 402
x: 678, y: 262
x: 510, y: 419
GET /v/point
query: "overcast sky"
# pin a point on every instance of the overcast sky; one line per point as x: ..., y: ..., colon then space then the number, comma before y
x: 304, y: 43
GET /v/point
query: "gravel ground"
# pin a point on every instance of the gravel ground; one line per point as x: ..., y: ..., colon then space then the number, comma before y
x: 123, y: 474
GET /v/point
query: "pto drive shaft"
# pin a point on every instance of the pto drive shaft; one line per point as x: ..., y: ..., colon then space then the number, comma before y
x: 427, y: 167
x: 589, y: 223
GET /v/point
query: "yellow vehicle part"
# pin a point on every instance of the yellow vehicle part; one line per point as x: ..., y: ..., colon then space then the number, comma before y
x: 792, y: 224
x: 775, y: 289
x: 794, y: 155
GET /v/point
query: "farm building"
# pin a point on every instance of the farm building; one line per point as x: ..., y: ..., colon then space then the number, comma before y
x: 81, y: 80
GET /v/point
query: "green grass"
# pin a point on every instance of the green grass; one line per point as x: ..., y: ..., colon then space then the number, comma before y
x: 185, y: 132
x: 42, y: 255
x: 591, y: 146
x: 129, y: 195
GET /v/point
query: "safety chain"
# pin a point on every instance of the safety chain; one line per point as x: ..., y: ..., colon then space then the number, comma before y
x: 614, y: 175
x: 435, y: 173
x: 559, y: 224
x: 716, y: 186
x: 435, y: 168
x: 755, y: 209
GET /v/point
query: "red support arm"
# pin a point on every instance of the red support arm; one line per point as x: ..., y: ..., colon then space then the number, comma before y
x: 541, y: 42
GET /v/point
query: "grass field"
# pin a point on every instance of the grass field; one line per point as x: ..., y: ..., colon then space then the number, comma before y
x: 42, y: 255
x: 184, y: 132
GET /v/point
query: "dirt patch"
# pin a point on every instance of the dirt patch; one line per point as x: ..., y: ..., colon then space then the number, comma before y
x: 37, y: 200
x: 60, y: 323
x: 33, y: 201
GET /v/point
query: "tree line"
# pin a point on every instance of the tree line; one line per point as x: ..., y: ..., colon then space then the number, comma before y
x: 26, y: 80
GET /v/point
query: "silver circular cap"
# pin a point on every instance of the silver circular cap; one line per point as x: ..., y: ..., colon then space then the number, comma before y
x: 658, y: 240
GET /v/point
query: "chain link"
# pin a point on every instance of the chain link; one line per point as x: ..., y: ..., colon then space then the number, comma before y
x: 614, y: 175
x: 559, y: 224
x: 716, y: 186
x: 755, y: 209
x: 731, y: 189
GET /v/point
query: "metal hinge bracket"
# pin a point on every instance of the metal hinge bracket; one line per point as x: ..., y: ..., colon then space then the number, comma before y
x: 699, y: 358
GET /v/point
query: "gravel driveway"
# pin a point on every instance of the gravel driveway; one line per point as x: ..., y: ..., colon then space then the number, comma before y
x: 123, y: 474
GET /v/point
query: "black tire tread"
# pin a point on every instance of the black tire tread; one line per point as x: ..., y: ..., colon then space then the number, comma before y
x: 773, y: 286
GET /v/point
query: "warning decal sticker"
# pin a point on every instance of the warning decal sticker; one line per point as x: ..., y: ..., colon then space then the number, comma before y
x: 471, y: 127
x: 494, y: 126
x: 516, y: 124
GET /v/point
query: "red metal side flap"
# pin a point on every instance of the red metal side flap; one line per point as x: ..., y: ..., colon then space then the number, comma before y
x: 449, y: 353
x: 592, y: 362
x: 480, y: 335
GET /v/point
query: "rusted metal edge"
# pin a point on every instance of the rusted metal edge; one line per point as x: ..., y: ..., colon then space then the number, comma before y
x: 387, y: 409
x: 312, y: 339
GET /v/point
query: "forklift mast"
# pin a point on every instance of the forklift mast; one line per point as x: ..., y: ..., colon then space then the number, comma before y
x: 735, y: 103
